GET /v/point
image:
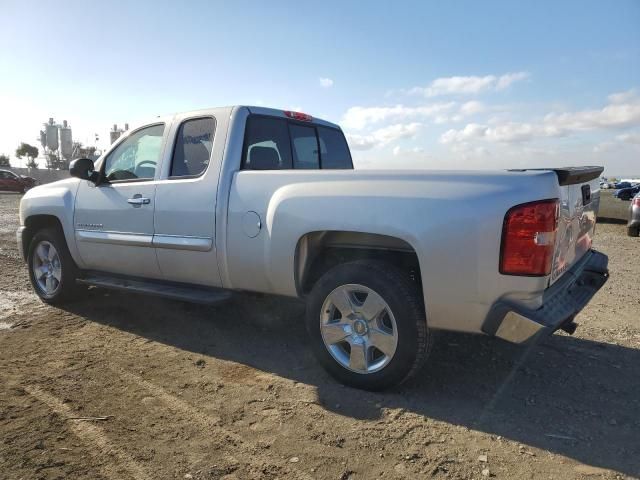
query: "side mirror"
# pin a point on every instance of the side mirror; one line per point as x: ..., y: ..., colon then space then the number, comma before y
x: 82, y: 168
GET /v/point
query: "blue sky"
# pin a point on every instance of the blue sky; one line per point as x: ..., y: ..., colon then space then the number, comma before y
x: 414, y: 84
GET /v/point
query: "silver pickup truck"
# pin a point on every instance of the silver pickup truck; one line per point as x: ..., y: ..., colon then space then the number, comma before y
x: 196, y: 205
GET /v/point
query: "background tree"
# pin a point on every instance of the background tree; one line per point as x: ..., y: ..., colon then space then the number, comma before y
x: 4, y: 161
x: 29, y: 151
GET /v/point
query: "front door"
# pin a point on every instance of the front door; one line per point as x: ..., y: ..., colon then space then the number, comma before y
x: 9, y: 181
x: 114, y: 220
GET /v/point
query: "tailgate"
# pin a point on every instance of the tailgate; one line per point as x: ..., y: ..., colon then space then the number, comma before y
x: 579, y: 204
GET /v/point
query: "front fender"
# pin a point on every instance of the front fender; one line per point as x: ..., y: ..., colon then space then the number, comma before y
x: 54, y: 199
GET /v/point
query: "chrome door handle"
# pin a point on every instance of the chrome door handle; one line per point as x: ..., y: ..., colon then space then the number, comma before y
x: 139, y: 200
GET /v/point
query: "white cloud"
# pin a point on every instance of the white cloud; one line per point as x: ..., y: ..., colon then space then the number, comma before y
x: 397, y: 151
x: 623, y: 97
x: 472, y: 108
x: 622, y: 111
x: 604, y: 147
x: 325, y: 82
x: 383, y: 136
x: 471, y: 85
x: 611, y: 116
x: 358, y: 118
x: 631, y: 137
x: 507, y: 79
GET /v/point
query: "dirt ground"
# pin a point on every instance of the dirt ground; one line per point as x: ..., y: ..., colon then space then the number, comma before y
x: 184, y: 391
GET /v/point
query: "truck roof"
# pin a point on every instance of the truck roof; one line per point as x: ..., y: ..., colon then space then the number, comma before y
x: 272, y: 112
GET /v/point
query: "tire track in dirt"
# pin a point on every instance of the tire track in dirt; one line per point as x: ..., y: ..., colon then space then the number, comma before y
x: 205, y: 421
x: 92, y: 433
x: 251, y: 449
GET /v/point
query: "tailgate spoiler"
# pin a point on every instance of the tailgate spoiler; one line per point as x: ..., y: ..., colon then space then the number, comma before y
x: 574, y: 175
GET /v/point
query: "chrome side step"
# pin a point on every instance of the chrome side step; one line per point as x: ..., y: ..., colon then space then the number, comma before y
x: 174, y: 291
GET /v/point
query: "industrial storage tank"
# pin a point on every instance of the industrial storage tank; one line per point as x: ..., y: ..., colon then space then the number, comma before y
x: 52, y: 135
x: 115, y: 133
x: 66, y: 141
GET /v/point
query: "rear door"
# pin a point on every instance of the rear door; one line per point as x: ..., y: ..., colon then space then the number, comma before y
x: 114, y: 220
x: 579, y: 204
x: 185, y: 211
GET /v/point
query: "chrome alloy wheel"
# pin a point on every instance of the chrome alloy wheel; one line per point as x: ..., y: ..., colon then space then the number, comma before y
x: 47, y: 269
x: 358, y: 328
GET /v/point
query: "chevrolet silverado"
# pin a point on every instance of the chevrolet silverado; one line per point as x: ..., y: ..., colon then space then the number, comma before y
x: 196, y: 205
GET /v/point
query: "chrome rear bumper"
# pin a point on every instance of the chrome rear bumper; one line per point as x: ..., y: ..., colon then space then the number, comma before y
x: 560, y: 304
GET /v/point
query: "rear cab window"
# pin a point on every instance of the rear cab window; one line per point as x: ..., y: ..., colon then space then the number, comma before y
x: 305, y: 147
x: 273, y: 143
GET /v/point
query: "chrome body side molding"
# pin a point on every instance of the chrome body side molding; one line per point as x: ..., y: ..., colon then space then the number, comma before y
x: 115, y: 238
x: 175, y: 242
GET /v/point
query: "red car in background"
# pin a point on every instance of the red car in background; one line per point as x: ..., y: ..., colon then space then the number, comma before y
x: 12, y: 182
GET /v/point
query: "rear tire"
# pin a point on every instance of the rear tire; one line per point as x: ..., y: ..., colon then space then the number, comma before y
x: 52, y: 271
x: 378, y: 337
x: 633, y: 231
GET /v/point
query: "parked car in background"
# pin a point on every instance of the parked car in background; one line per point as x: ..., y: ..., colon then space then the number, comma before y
x: 633, y: 227
x: 627, y: 193
x: 13, y: 182
x: 619, y: 185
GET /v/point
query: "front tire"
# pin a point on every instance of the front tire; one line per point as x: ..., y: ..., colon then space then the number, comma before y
x: 367, y: 324
x: 633, y: 231
x: 52, y: 270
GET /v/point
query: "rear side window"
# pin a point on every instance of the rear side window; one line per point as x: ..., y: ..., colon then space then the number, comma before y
x: 305, y: 147
x: 333, y: 149
x: 273, y: 143
x: 267, y: 144
x: 192, y: 150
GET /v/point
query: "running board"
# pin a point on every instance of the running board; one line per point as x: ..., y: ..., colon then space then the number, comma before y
x: 174, y: 291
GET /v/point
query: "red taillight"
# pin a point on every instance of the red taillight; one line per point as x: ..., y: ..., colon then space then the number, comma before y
x: 528, y: 238
x: 303, y: 117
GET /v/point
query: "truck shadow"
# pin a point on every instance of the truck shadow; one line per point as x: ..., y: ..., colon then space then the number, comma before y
x: 570, y: 396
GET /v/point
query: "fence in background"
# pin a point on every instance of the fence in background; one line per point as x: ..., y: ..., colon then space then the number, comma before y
x: 42, y: 175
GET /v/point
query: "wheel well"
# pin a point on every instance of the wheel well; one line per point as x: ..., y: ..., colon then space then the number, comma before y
x: 34, y: 224
x: 318, y: 252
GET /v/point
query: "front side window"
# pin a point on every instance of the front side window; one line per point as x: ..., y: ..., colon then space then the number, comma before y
x: 193, y: 146
x: 137, y: 157
x: 8, y: 175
